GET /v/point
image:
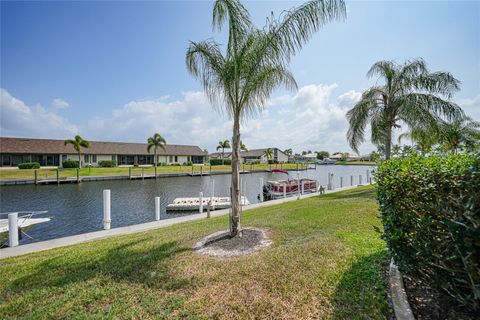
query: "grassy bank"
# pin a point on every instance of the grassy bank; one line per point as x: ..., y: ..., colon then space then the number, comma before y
x: 6, y: 174
x: 324, y: 263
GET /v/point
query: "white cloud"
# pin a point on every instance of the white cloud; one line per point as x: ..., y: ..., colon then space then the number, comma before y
x: 60, y: 103
x: 20, y: 120
x: 471, y: 106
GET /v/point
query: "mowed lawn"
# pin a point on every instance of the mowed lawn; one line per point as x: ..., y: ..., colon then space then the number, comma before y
x: 325, y: 263
x: 49, y: 173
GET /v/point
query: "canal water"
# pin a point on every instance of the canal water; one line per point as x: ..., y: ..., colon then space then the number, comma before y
x: 78, y: 208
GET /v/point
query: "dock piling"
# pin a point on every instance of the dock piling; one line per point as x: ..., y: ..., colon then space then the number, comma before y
x: 200, y: 199
x: 143, y: 176
x: 36, y: 176
x: 78, y: 175
x: 157, y: 208
x: 359, y: 179
x: 129, y: 173
x: 106, y: 209
x: 341, y: 182
x: 351, y: 180
x: 208, y: 208
x: 13, y: 229
x: 58, y: 178
x: 298, y: 185
x: 284, y: 190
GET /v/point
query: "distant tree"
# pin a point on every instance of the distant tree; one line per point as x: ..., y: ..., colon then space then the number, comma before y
x: 243, y: 147
x: 374, y: 156
x: 462, y: 133
x: 78, y: 143
x: 345, y: 156
x: 288, y: 152
x: 155, y: 142
x: 223, y: 145
x: 411, y: 95
x: 268, y: 153
x: 322, y: 155
x: 304, y: 153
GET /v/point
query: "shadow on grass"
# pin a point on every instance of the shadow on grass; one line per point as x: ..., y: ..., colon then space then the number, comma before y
x: 124, y: 263
x: 362, y: 291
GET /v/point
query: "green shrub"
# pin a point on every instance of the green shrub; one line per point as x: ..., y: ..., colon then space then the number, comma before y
x: 107, y: 163
x: 70, y: 163
x: 272, y: 161
x: 189, y: 163
x: 430, y: 208
x: 218, y: 162
x: 29, y: 165
x: 175, y: 164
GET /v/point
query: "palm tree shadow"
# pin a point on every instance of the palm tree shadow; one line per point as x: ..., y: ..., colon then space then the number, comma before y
x: 362, y: 290
x: 123, y: 263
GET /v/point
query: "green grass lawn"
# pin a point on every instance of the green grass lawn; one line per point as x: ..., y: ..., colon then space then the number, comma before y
x: 325, y: 263
x: 52, y: 173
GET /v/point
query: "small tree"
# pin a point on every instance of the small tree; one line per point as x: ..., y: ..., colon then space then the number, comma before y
x: 268, y: 153
x: 223, y: 145
x: 155, y: 142
x: 322, y: 155
x: 78, y: 142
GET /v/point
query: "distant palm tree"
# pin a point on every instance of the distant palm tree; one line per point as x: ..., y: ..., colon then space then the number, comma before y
x: 223, y: 145
x: 155, y: 142
x: 243, y: 147
x: 268, y: 153
x: 288, y: 152
x: 423, y: 139
x: 460, y: 133
x: 254, y: 64
x: 77, y: 143
x: 411, y: 95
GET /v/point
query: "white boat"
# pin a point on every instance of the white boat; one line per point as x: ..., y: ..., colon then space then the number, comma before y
x: 22, y: 222
x: 290, y: 187
x: 193, y: 204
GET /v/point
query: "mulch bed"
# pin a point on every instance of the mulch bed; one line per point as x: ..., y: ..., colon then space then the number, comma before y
x: 249, y: 239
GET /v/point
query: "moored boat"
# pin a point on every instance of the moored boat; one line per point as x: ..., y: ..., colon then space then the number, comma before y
x: 290, y: 187
x: 193, y: 204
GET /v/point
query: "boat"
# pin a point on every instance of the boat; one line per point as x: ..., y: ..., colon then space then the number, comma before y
x: 326, y: 161
x: 290, y: 187
x: 280, y: 171
x: 193, y: 204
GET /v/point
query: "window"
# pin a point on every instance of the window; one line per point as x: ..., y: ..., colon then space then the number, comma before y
x: 86, y: 158
x: 171, y: 159
x: 114, y: 157
x: 94, y: 158
x: 64, y: 157
x: 176, y: 158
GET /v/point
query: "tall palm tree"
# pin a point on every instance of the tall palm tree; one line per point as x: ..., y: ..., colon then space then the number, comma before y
x: 410, y: 95
x: 223, y: 145
x: 155, y: 142
x: 78, y: 143
x: 241, y: 79
x: 268, y: 153
x: 288, y: 152
x: 461, y: 133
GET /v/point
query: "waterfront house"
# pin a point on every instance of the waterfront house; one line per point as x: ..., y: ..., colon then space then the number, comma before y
x: 49, y: 152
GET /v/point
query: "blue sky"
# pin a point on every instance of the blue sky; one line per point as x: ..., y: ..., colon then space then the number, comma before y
x: 116, y: 70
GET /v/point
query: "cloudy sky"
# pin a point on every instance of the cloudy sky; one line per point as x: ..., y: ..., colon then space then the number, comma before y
x: 116, y: 70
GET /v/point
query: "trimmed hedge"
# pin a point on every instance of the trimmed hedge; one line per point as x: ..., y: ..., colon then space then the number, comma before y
x: 70, y: 163
x: 430, y: 208
x: 107, y: 163
x: 29, y: 165
x: 218, y: 162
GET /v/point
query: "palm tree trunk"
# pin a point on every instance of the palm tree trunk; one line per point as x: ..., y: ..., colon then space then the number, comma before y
x: 235, y: 229
x: 223, y: 156
x: 388, y: 143
x: 79, y: 160
x: 155, y: 161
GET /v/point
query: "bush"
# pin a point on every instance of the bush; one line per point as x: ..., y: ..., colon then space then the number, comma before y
x: 430, y: 208
x: 271, y: 161
x: 29, y: 165
x: 175, y: 164
x: 70, y: 163
x: 218, y: 162
x: 107, y: 163
x: 189, y: 163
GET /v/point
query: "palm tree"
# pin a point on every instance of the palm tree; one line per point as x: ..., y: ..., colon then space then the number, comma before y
x: 268, y: 153
x: 254, y: 64
x: 223, y: 145
x: 411, y: 95
x: 77, y: 143
x: 423, y: 139
x: 243, y: 147
x: 461, y: 133
x: 288, y: 152
x: 155, y: 142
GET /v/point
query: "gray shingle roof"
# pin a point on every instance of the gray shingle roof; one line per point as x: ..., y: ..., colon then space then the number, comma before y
x: 50, y: 146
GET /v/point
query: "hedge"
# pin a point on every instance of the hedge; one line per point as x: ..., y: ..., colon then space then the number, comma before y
x: 29, y: 165
x: 430, y: 208
x: 218, y: 162
x: 70, y: 163
x: 107, y: 163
